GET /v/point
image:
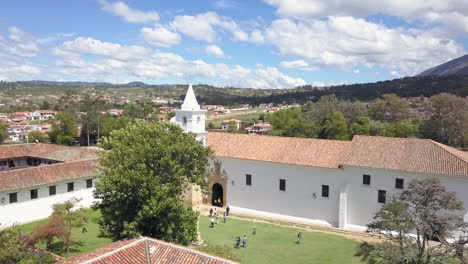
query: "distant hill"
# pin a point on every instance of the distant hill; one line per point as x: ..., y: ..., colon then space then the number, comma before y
x: 458, y: 66
x: 207, y: 94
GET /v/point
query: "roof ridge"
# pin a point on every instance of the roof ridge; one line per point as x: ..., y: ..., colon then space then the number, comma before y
x: 277, y: 137
x: 442, y: 146
x: 115, y: 250
x: 188, y: 249
x: 48, y: 165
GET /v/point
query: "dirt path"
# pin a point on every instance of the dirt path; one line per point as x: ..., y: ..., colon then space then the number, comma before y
x: 354, y: 235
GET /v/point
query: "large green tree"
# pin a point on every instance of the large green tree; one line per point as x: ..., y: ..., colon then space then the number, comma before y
x: 329, y: 104
x: 290, y: 122
x: 3, y: 132
x: 146, y: 168
x: 335, y: 127
x: 424, y: 211
x: 449, y: 122
x: 64, y: 129
x: 362, y: 126
x: 36, y: 136
x: 110, y: 124
x: 389, y: 108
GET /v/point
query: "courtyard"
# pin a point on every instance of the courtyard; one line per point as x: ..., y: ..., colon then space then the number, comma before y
x: 271, y: 244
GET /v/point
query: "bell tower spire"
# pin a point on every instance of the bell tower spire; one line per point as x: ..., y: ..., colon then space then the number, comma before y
x: 190, y: 117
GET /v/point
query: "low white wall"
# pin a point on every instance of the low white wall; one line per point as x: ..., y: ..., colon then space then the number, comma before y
x: 27, y: 210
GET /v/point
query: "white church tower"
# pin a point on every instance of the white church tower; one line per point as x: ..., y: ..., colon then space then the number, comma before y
x: 190, y: 117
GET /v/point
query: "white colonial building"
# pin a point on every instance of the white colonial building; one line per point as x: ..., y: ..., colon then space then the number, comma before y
x: 36, y: 176
x: 328, y: 182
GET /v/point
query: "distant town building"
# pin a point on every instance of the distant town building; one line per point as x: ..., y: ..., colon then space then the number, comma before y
x: 226, y: 123
x: 259, y: 128
x: 115, y: 112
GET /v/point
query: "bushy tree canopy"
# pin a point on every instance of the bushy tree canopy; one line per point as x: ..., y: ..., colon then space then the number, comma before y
x: 64, y: 129
x: 429, y: 210
x: 145, y: 170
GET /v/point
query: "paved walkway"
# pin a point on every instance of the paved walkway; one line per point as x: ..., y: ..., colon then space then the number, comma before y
x: 358, y: 236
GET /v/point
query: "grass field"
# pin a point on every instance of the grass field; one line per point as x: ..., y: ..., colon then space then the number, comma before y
x: 275, y: 244
x: 271, y: 244
x: 84, y: 241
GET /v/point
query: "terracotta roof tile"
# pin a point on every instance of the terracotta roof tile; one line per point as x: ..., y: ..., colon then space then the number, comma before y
x: 406, y: 154
x: 46, y: 174
x: 298, y: 151
x: 47, y: 151
x: 135, y: 251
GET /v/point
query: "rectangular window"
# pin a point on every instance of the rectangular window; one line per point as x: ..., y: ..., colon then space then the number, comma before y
x: 248, y: 179
x: 52, y: 190
x: 282, y: 185
x: 399, y: 183
x: 366, y: 179
x: 34, y: 194
x: 70, y: 187
x: 382, y: 196
x: 325, y: 190
x: 89, y: 183
x: 13, y: 197
x: 3, y: 163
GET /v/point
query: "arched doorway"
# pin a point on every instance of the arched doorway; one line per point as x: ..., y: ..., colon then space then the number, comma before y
x: 217, y: 195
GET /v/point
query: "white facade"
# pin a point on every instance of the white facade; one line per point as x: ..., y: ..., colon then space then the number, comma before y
x: 350, y: 205
x: 27, y: 210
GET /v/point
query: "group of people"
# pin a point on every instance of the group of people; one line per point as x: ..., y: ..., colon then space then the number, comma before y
x: 215, y: 217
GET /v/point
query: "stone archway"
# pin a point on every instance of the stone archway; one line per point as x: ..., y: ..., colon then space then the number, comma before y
x: 217, y: 195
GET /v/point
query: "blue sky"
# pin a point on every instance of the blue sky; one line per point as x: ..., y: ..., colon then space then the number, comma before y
x: 259, y: 44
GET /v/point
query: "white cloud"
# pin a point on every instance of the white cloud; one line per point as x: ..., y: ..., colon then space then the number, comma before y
x: 394, y: 73
x: 160, y: 37
x: 298, y: 64
x: 318, y: 84
x: 118, y: 63
x: 450, y: 12
x: 223, y: 4
x: 356, y: 71
x: 216, y: 51
x: 346, y: 42
x: 203, y: 27
x: 19, y: 44
x: 90, y: 46
x: 128, y: 14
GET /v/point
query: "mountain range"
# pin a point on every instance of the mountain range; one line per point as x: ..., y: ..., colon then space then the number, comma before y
x: 458, y: 66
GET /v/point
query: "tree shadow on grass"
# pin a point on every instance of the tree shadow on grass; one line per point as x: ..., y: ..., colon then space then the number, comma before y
x: 59, y: 249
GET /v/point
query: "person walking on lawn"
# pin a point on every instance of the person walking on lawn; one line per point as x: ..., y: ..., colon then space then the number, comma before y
x: 244, y: 242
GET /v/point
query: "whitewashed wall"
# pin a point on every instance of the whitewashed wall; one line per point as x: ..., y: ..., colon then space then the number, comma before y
x: 298, y: 200
x: 27, y: 210
x: 362, y: 200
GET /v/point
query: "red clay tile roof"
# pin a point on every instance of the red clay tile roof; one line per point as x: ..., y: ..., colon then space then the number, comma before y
x: 406, y: 154
x: 47, y: 151
x: 298, y: 151
x: 46, y: 174
x: 137, y: 251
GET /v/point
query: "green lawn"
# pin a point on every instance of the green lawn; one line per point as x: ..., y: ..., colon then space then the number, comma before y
x: 275, y: 244
x: 85, y: 241
x: 272, y: 244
